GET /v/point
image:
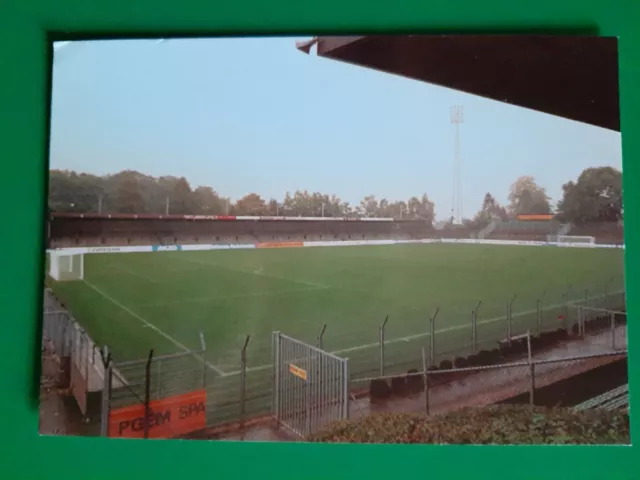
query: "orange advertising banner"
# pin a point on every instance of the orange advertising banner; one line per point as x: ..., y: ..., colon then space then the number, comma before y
x: 170, y: 417
x: 535, y: 217
x: 279, y: 244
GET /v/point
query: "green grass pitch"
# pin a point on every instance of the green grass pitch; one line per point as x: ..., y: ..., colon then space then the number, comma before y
x: 137, y: 301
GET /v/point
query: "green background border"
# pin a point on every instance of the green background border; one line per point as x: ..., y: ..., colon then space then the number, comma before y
x: 26, y: 28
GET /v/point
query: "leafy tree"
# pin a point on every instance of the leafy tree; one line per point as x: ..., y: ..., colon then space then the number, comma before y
x: 305, y: 204
x: 595, y: 197
x: 415, y: 209
x: 128, y: 195
x: 346, y: 210
x: 273, y: 208
x: 208, y: 202
x: 161, y: 193
x: 491, y: 210
x: 426, y: 210
x: 398, y: 210
x: 251, y: 204
x: 72, y: 192
x: 335, y: 207
x: 368, y: 206
x: 298, y: 205
x: 181, y: 198
x: 526, y: 198
x: 383, y: 208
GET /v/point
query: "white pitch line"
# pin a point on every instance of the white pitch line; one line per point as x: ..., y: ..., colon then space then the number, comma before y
x: 225, y: 297
x: 419, y: 335
x: 154, y: 328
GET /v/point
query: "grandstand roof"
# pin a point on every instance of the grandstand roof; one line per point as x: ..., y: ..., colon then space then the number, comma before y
x: 574, y: 77
x: 147, y: 216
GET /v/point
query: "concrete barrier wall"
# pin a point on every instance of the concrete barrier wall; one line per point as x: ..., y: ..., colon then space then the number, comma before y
x: 345, y: 243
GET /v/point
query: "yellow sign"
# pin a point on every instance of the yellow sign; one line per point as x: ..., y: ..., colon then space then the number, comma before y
x: 298, y: 372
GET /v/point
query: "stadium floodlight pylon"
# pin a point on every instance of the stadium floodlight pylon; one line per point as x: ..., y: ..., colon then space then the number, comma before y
x: 457, y: 118
x: 65, y: 266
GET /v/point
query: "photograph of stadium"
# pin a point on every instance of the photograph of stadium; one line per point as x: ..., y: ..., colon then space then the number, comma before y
x: 337, y: 239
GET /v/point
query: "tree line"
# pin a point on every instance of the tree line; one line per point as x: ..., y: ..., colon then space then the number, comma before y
x: 596, y: 196
x: 133, y: 192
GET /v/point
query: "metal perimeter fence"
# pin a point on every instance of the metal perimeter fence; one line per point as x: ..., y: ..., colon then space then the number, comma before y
x: 447, y: 339
x: 80, y: 358
x: 248, y: 389
x: 157, y: 397
x: 511, y: 381
x: 166, y: 396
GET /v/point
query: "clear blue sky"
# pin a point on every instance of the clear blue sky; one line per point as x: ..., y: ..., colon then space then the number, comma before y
x: 257, y: 115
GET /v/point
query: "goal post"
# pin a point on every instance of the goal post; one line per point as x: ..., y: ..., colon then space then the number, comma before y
x: 66, y: 266
x: 576, y: 240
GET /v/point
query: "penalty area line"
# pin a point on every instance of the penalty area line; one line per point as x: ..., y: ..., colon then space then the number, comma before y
x: 148, y: 324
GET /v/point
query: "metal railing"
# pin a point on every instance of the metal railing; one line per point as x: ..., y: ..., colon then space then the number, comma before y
x: 614, y: 318
x: 611, y: 400
x: 531, y: 365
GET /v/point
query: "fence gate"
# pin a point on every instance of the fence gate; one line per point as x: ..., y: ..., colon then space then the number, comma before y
x: 310, y: 386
